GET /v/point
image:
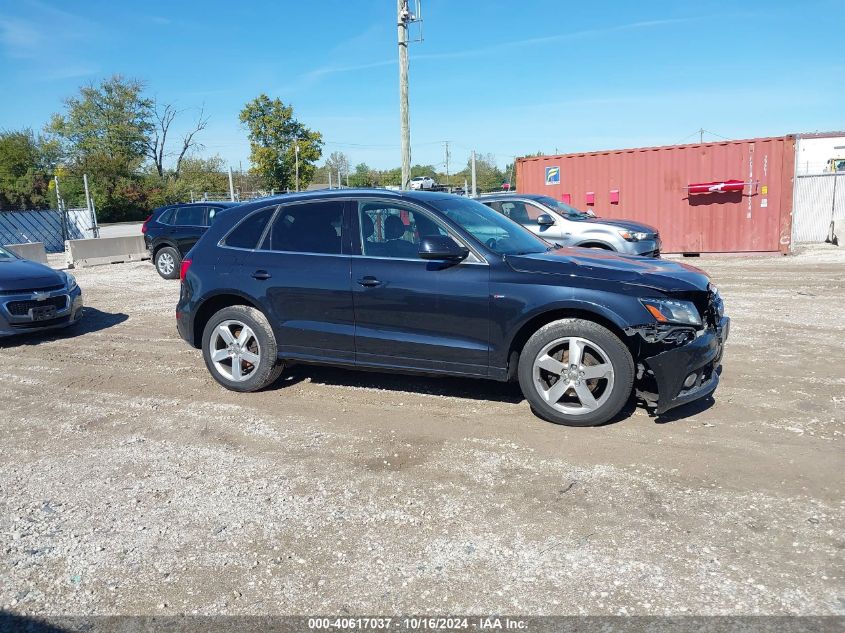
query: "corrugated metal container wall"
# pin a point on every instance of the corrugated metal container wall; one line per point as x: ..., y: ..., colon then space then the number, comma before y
x: 650, y: 185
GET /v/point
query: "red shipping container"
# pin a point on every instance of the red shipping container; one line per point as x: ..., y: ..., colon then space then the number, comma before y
x: 655, y: 180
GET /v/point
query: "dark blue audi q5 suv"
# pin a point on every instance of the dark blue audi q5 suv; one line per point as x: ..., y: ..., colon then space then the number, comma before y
x: 440, y: 284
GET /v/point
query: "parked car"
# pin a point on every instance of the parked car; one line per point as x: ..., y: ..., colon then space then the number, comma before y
x: 34, y: 297
x: 440, y: 284
x: 422, y: 182
x: 567, y: 226
x: 171, y: 231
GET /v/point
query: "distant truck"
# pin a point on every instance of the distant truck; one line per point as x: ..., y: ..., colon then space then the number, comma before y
x: 835, y: 165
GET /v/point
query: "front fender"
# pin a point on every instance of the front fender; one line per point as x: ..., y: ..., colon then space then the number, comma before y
x: 511, y: 315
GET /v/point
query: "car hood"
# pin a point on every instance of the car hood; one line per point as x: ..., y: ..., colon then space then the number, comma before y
x: 628, y: 225
x: 22, y: 274
x: 658, y: 274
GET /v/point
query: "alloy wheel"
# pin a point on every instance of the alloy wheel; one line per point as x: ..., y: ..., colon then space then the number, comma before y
x: 573, y: 375
x: 235, y: 350
x: 166, y: 264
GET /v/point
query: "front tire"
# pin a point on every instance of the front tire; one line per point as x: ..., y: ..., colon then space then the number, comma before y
x: 576, y: 372
x: 168, y: 262
x: 240, y: 349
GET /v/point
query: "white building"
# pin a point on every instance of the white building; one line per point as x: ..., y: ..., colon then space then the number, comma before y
x: 814, y: 151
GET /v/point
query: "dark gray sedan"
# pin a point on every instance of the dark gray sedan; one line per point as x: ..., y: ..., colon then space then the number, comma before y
x: 34, y: 297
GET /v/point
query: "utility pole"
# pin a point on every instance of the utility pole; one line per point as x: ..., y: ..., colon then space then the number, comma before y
x: 296, y: 151
x: 231, y: 186
x: 330, y: 177
x: 403, y: 17
x: 473, y: 175
x: 701, y: 136
x: 339, y: 181
x: 447, y: 162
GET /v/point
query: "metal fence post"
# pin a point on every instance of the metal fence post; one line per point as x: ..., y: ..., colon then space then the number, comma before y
x: 89, y: 204
x: 61, y: 204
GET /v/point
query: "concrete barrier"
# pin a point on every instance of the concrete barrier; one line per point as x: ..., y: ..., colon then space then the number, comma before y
x: 105, y: 250
x: 32, y: 250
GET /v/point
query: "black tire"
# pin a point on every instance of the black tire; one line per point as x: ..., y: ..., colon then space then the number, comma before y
x: 599, y: 340
x: 269, y: 366
x: 168, y: 262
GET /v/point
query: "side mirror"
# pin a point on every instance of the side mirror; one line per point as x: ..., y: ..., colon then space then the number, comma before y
x: 545, y: 220
x: 442, y: 247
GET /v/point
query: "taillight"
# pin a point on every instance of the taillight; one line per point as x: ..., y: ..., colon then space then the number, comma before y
x: 144, y: 225
x: 186, y: 264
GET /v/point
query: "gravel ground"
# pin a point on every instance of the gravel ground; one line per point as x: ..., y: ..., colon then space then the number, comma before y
x: 131, y: 483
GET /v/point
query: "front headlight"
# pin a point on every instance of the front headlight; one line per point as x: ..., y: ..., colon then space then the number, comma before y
x: 672, y: 311
x: 632, y: 236
x: 718, y: 303
x: 71, y: 282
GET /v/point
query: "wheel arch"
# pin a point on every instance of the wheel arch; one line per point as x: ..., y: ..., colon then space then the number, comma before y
x: 588, y: 312
x: 213, y: 304
x: 594, y: 243
x: 157, y: 246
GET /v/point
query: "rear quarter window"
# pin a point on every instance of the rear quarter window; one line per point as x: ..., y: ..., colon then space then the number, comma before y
x: 166, y: 216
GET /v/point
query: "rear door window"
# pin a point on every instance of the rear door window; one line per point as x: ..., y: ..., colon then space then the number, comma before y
x: 249, y: 231
x: 315, y: 227
x: 190, y: 216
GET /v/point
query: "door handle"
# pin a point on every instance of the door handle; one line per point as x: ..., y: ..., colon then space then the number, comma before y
x: 369, y: 282
x: 261, y: 275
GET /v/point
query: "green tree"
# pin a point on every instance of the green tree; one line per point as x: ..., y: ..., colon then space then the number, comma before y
x: 423, y: 170
x: 104, y: 132
x: 274, y: 134
x: 336, y: 163
x: 363, y: 176
x: 25, y: 165
x: 488, y: 176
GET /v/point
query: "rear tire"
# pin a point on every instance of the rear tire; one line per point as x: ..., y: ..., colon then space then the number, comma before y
x: 575, y: 372
x: 168, y: 262
x: 240, y: 349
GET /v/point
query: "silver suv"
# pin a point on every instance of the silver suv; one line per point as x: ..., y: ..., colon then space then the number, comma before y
x: 558, y: 222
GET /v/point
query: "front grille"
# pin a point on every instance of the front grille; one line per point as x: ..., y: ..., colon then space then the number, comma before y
x: 22, y: 308
x: 29, y: 291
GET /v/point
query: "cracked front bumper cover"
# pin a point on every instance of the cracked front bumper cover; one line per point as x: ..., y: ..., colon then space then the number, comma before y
x: 701, y: 356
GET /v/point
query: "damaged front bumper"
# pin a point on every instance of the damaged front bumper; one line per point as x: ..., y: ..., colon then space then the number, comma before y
x: 684, y: 373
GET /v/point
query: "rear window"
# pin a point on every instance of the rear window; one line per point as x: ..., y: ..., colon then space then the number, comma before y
x: 249, y: 231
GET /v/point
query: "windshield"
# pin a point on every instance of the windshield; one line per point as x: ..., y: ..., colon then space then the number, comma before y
x: 570, y: 213
x: 4, y: 254
x: 500, y: 234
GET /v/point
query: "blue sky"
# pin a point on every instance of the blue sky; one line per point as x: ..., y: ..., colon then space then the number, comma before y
x: 505, y: 78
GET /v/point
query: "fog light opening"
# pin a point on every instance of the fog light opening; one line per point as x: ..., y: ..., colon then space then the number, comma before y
x: 690, y: 380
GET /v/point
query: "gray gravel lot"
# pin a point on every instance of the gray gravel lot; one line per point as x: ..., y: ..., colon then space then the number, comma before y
x: 131, y: 483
